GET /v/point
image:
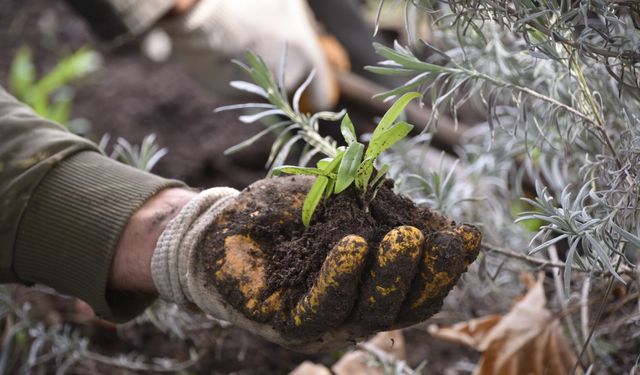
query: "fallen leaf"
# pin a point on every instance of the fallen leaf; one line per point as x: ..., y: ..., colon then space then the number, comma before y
x: 359, y: 362
x: 310, y: 368
x: 528, y: 340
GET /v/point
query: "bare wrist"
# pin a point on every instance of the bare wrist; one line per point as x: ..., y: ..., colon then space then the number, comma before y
x: 131, y: 267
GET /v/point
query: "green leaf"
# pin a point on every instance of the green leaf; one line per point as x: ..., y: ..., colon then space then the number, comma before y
x: 335, y: 163
x: 322, y: 163
x: 22, y: 73
x: 290, y: 169
x: 81, y: 63
x: 380, y: 174
x: 363, y: 174
x: 349, y: 167
x: 255, y: 138
x: 60, y: 109
x: 394, y: 112
x: 383, y: 140
x: 348, y: 130
x: 329, y: 189
x: 313, y: 198
x: 330, y: 164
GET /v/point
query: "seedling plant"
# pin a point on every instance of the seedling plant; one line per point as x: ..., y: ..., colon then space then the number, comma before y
x: 342, y: 166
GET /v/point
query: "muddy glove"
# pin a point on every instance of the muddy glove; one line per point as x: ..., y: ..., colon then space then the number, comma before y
x: 213, y: 32
x: 245, y: 259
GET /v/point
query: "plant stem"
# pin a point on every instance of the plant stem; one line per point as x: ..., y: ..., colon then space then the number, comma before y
x: 598, y: 122
x: 530, y: 92
x: 596, y: 321
x: 310, y: 134
x: 488, y: 248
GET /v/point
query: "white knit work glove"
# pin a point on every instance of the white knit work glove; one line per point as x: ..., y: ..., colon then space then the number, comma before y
x: 213, y: 32
x: 177, y: 272
x: 218, y: 254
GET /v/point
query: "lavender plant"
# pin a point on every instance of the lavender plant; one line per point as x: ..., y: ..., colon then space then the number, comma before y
x: 341, y: 167
x: 558, y: 87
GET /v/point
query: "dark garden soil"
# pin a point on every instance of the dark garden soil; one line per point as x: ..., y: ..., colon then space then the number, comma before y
x: 295, y: 263
x: 131, y: 97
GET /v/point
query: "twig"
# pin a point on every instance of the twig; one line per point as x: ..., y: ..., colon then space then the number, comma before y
x: 488, y: 248
x: 597, y: 320
x: 141, y: 366
x: 386, y: 359
x: 584, y: 313
x: 557, y: 278
x: 527, y: 258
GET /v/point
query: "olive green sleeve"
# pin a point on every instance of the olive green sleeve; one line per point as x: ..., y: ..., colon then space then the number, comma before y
x: 63, y: 208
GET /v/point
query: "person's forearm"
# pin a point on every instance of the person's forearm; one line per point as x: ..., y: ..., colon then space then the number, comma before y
x: 30, y: 147
x: 131, y: 269
x: 64, y: 207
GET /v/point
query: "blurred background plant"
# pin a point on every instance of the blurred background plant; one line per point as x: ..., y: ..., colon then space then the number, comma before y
x: 51, y: 94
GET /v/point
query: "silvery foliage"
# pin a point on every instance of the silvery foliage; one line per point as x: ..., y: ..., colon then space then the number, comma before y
x: 143, y: 156
x: 554, y: 115
x: 30, y: 346
x: 283, y: 117
x: 557, y: 83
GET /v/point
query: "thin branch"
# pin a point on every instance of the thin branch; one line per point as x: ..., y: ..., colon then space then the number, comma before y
x: 544, y: 263
x: 141, y: 366
x: 386, y: 359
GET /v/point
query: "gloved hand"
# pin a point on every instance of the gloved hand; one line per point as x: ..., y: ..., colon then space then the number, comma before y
x: 213, y: 32
x: 212, y: 256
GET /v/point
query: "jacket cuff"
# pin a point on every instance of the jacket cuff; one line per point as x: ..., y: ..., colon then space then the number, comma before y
x: 71, y: 227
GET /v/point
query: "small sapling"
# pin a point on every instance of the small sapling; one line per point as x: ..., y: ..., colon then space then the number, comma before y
x: 342, y: 166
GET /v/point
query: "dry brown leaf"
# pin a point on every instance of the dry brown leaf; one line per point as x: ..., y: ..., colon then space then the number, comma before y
x: 359, y: 362
x: 310, y: 368
x: 527, y: 340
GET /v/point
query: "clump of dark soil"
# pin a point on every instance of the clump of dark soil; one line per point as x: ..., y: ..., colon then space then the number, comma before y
x: 294, y: 264
x: 269, y: 212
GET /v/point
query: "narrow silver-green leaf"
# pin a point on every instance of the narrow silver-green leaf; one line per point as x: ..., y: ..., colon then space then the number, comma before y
x: 390, y: 70
x: 249, y: 87
x: 349, y: 166
x: 406, y: 60
x: 254, y: 138
x: 313, y: 198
